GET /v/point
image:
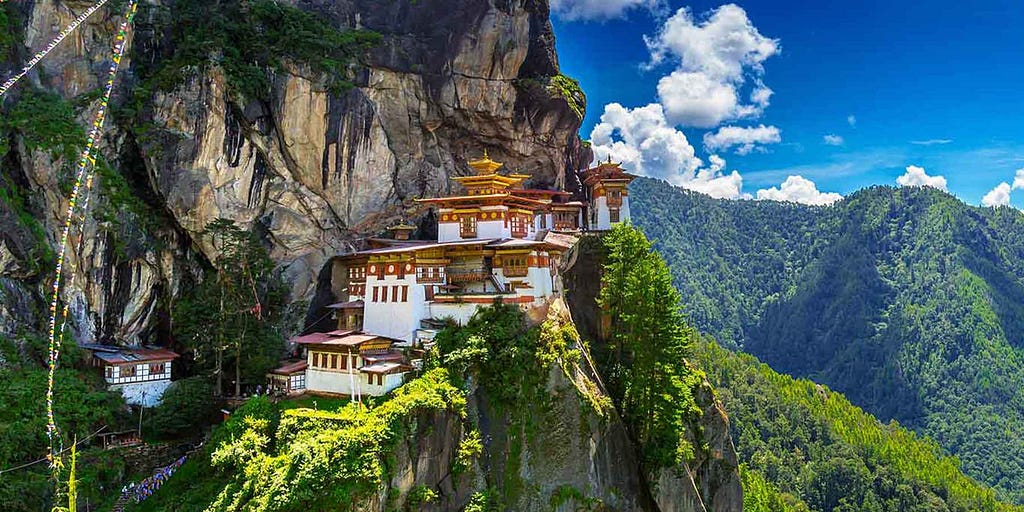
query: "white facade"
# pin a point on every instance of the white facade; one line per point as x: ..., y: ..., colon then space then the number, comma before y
x: 602, y: 220
x: 146, y: 394
x: 350, y: 381
x: 385, y: 316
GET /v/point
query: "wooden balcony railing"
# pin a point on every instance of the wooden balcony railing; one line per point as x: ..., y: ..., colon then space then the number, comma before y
x: 515, y: 271
x: 467, y: 275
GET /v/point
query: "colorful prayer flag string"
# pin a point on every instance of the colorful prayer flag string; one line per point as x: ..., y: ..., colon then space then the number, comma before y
x: 84, y: 173
x: 53, y: 44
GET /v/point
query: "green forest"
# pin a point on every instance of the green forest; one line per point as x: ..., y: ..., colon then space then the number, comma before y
x: 906, y: 300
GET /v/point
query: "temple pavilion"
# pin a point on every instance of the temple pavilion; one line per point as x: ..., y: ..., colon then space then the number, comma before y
x: 497, y: 241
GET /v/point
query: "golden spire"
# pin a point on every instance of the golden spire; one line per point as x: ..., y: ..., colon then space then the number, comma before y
x: 485, y: 165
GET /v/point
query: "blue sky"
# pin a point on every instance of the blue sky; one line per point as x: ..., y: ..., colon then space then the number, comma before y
x: 935, y: 85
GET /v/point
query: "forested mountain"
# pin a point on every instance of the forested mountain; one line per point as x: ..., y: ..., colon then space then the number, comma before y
x: 805, y: 447
x: 907, y: 300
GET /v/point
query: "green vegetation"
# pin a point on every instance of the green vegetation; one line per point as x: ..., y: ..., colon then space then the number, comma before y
x: 185, y: 408
x: 82, y: 406
x: 36, y: 254
x: 569, y: 89
x: 46, y: 122
x: 251, y: 40
x: 807, y: 448
x: 266, y: 459
x: 645, y: 364
x: 233, y: 318
x: 10, y: 31
x: 907, y: 300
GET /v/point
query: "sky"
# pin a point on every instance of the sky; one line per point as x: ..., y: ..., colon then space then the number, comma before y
x: 804, y: 101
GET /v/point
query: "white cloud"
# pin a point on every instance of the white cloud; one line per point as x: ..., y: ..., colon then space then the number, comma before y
x: 999, y: 196
x: 917, y: 177
x: 851, y: 120
x: 646, y: 144
x: 714, y: 57
x: 694, y: 99
x: 833, y: 140
x: 745, y: 139
x: 580, y: 10
x: 641, y: 139
x: 798, y: 189
x: 931, y: 142
x: 1018, y: 180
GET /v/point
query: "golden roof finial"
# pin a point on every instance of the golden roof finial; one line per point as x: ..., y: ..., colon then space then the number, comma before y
x: 485, y: 165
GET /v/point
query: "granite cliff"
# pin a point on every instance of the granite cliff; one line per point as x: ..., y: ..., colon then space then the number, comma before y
x: 312, y: 168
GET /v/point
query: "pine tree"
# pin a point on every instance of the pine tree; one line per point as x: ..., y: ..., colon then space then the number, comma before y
x: 650, y: 342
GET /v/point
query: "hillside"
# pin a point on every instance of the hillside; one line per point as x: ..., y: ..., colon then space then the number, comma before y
x: 906, y: 300
x: 805, y: 447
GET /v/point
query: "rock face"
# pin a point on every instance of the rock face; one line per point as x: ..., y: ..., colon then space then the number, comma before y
x: 709, y: 482
x: 312, y: 171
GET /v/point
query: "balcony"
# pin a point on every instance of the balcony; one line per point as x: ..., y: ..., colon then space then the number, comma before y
x: 516, y: 271
x: 467, y: 275
x: 430, y: 278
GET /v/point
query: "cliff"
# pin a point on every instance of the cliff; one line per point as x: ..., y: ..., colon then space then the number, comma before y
x: 449, y: 441
x: 312, y: 167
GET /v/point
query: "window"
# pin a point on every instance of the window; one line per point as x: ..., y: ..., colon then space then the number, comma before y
x: 156, y: 369
x: 429, y: 292
x: 109, y: 371
x: 316, y: 360
x: 384, y: 293
x: 613, y: 215
x: 369, y: 379
x: 298, y: 381
x: 467, y: 226
x: 394, y: 293
x: 127, y: 371
x: 405, y: 293
x: 334, y: 361
x: 376, y: 297
x: 518, y: 225
x: 344, y: 362
x: 380, y: 379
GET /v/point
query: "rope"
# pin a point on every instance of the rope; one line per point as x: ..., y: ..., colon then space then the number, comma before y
x: 44, y: 459
x: 53, y: 44
x: 84, y: 171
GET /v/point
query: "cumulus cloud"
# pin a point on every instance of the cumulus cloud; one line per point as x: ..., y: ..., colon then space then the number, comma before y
x: 931, y: 142
x: 999, y: 196
x: 851, y: 120
x: 582, y: 10
x: 833, y: 140
x: 714, y: 56
x: 643, y: 140
x: 1018, y: 180
x: 917, y: 177
x: 646, y: 144
x: 797, y: 189
x: 744, y: 139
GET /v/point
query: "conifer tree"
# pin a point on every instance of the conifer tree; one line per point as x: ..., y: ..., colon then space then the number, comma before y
x: 650, y: 341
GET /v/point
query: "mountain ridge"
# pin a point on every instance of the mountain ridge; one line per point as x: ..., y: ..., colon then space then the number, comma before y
x: 904, y: 299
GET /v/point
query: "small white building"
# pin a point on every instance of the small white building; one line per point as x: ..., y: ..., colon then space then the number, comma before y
x: 352, y: 364
x: 141, y: 374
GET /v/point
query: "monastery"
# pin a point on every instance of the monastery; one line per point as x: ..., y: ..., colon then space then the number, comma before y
x: 496, y: 242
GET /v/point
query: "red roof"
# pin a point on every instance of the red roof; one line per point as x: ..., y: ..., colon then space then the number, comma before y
x: 291, y: 368
x: 314, y: 337
x: 117, y: 355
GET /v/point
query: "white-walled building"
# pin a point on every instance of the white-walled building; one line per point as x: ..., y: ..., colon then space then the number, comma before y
x: 141, y: 374
x: 607, y: 187
x: 352, y: 364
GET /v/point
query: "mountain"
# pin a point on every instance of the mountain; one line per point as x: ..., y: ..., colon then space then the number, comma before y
x: 906, y: 300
